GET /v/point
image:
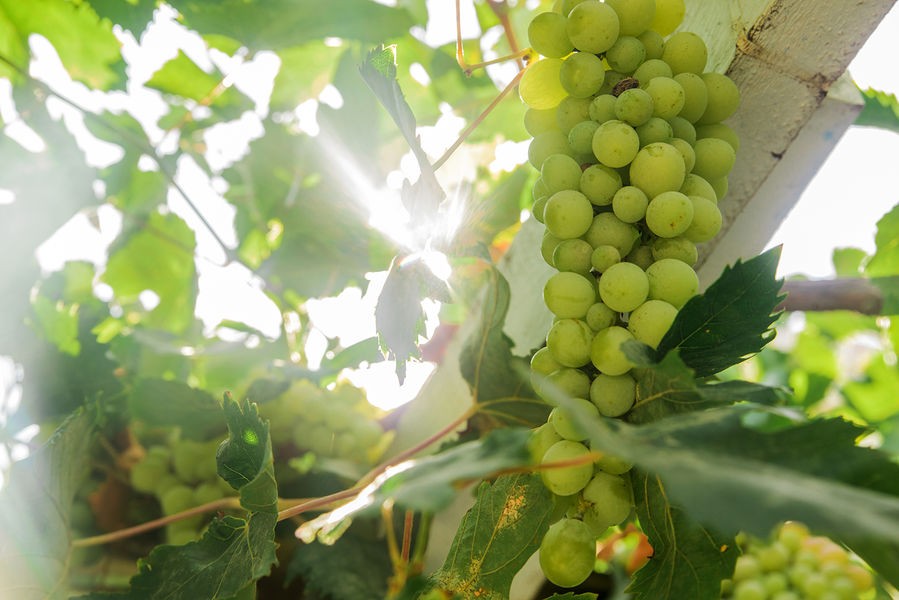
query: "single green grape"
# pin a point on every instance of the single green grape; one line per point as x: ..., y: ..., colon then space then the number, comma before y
x: 568, y: 552
x: 540, y: 86
x: 177, y: 499
x: 651, y: 69
x: 145, y: 475
x: 542, y: 364
x: 613, y: 465
x: 548, y: 247
x: 541, y: 440
x: 650, y: 321
x: 747, y: 568
x: 653, y: 42
x: 573, y: 255
x: 668, y: 16
x: 569, y: 295
x: 547, y: 144
x: 573, y: 383
x: 568, y: 214
x: 720, y: 187
x: 683, y: 129
x: 668, y: 97
x: 626, y: 54
x: 580, y: 138
x: 566, y: 481
x: 599, y: 316
x: 686, y: 151
x: 696, y: 97
x: 560, y: 172
x: 599, y: 184
x: 572, y: 111
x: 640, y: 256
x: 694, y: 185
x: 678, y: 247
x: 629, y: 204
x: 206, y: 493
x: 658, y: 168
x: 623, y: 287
x: 615, y: 143
x: 720, y: 131
x: 669, y: 214
x: 673, y: 281
x: 566, y: 5
x: 604, y: 257
x: 714, y: 158
x: 724, y: 97
x: 602, y: 108
x: 706, y: 220
x: 609, y: 230
x: 613, y: 395
x: 606, y: 353
x: 582, y: 75
x: 185, y: 456
x: 685, y: 52
x: 547, y: 35
x: 610, y: 500
x: 569, y: 342
x: 635, y: 16
x: 751, y: 589
x: 654, y: 131
x: 593, y: 26
x: 539, y: 207
x: 634, y: 106
x: 538, y: 121
x: 566, y: 420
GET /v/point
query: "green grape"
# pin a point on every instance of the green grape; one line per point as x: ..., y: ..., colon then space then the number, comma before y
x: 569, y: 295
x: 613, y: 464
x: 320, y: 441
x: 682, y: 128
x: 206, y: 493
x: 720, y: 187
x: 546, y: 33
x: 567, y: 5
x: 751, y: 589
x: 669, y: 214
x: 569, y: 342
x: 604, y: 257
x: 658, y: 168
x: 629, y: 204
x: 602, y: 108
x: 686, y: 151
x: 654, y: 131
x: 678, y: 247
x: 164, y: 484
x: 606, y: 353
x: 566, y: 481
x: 774, y: 557
x: 177, y: 499
x: 185, y: 456
x: 609, y: 230
x: 650, y: 321
x: 566, y: 421
x: 538, y: 121
x: 542, y: 364
x: 345, y: 445
x: 573, y: 255
x: 592, y: 26
x: 714, y: 158
x: 667, y: 97
x: 539, y: 190
x: 599, y: 184
x: 668, y: 16
x: 568, y: 381
x: 640, y: 256
x: 706, y: 220
x: 613, y: 395
x: 673, y: 281
x: 634, y: 107
x: 580, y: 138
x: 161, y: 455
x: 572, y: 111
x: 685, y: 52
x: 568, y: 214
x: 786, y: 595
x: 560, y: 172
x: 653, y: 42
x: 615, y: 143
x: 610, y: 500
x: 539, y: 207
x: 316, y: 409
x: 724, y: 97
x: 567, y: 553
x: 613, y: 78
x: 696, y: 97
x: 747, y: 568
x: 635, y: 16
x: 582, y: 75
x: 541, y: 440
x: 338, y: 418
x: 206, y: 467
x: 623, y: 287
x: 548, y: 247
x: 547, y: 144
x: 720, y: 131
x: 540, y: 86
x: 694, y: 185
x: 145, y: 475
x: 791, y: 535
x: 777, y: 582
x: 814, y: 585
x: 368, y: 433
x: 626, y: 54
x: 651, y: 69
x: 599, y: 316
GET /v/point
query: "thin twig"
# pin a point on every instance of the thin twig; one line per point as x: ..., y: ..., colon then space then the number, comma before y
x: 407, y: 536
x: 387, y: 514
x: 501, y: 12
x: 855, y: 294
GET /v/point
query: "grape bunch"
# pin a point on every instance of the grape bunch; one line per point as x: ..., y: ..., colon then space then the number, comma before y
x: 182, y: 475
x: 796, y: 566
x: 633, y: 159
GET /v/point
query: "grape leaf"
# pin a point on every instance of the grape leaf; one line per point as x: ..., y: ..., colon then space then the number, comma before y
x: 182, y: 77
x: 688, y: 561
x: 880, y: 110
x: 731, y: 320
x: 35, y: 507
x: 496, y: 537
x: 133, y: 15
x: 885, y: 262
x: 163, y: 403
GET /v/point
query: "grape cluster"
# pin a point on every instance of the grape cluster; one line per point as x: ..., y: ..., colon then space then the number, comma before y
x: 338, y: 423
x: 182, y: 475
x: 633, y: 159
x: 796, y: 566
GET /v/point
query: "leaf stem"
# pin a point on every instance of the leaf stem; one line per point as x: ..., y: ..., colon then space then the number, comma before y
x: 468, y: 69
x: 500, y: 9
x: 407, y: 536
x: 387, y: 514
x: 421, y: 542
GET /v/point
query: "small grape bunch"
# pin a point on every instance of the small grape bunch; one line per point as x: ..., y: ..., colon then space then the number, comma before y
x: 795, y: 565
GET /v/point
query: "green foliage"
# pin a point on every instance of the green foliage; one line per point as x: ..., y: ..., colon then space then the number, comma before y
x: 881, y: 110
x: 162, y: 403
x: 181, y: 77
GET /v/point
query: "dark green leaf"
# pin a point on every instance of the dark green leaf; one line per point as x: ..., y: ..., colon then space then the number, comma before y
x: 266, y: 390
x: 731, y: 320
x: 881, y: 110
x: 245, y: 458
x: 162, y: 403
x: 496, y: 537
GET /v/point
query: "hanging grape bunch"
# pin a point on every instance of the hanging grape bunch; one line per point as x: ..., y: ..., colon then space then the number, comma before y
x: 633, y: 159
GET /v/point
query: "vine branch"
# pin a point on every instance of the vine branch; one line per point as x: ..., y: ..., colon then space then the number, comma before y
x: 854, y: 294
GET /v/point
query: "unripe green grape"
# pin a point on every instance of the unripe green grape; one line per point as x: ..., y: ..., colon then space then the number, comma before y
x: 775, y: 582
x: 604, y: 257
x: 613, y: 464
x: 540, y: 86
x: 843, y: 587
x: 814, y: 585
x: 538, y: 207
x: 679, y: 248
x: 609, y: 230
x: 706, y: 220
x: 541, y: 440
x: 542, y: 364
x: 696, y: 96
x: 345, y: 445
x: 669, y: 214
x: 538, y: 121
x: 720, y: 187
x: 751, y: 589
x: 615, y: 143
x: 582, y: 75
x: 580, y: 138
x: 714, y: 158
x: 206, y: 493
x: 568, y: 214
x: 560, y: 172
x: 573, y: 383
x: 602, y: 108
x: 567, y: 553
x: 185, y: 455
x: 686, y: 150
x: 629, y: 204
x: 548, y: 246
x: 539, y: 189
x: 720, y: 131
x: 653, y: 42
x: 599, y: 184
x: 206, y: 467
x: 569, y: 342
x: 145, y: 475
x: 572, y: 111
x: 573, y: 255
x: 367, y: 433
x: 774, y: 557
x: 566, y: 420
x: 338, y: 418
x: 546, y: 34
x: 786, y: 595
x: 599, y: 316
x: 566, y: 481
x: 613, y: 78
x: 667, y: 97
x: 694, y: 185
x: 165, y: 483
x: 685, y: 52
x: 610, y: 500
x: 635, y: 16
x: 654, y: 131
x: 640, y: 256
x: 626, y: 54
x: 683, y: 129
x: 177, y: 499
x: 860, y: 576
x: 545, y: 145
x: 658, y: 168
x: 567, y: 5
x: 724, y: 97
x: 650, y: 321
x: 606, y: 353
x: 592, y: 26
x: 613, y: 395
x: 569, y: 295
x: 651, y: 69
x: 673, y: 281
x: 634, y: 107
x: 160, y: 455
x: 746, y: 568
x: 668, y: 16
